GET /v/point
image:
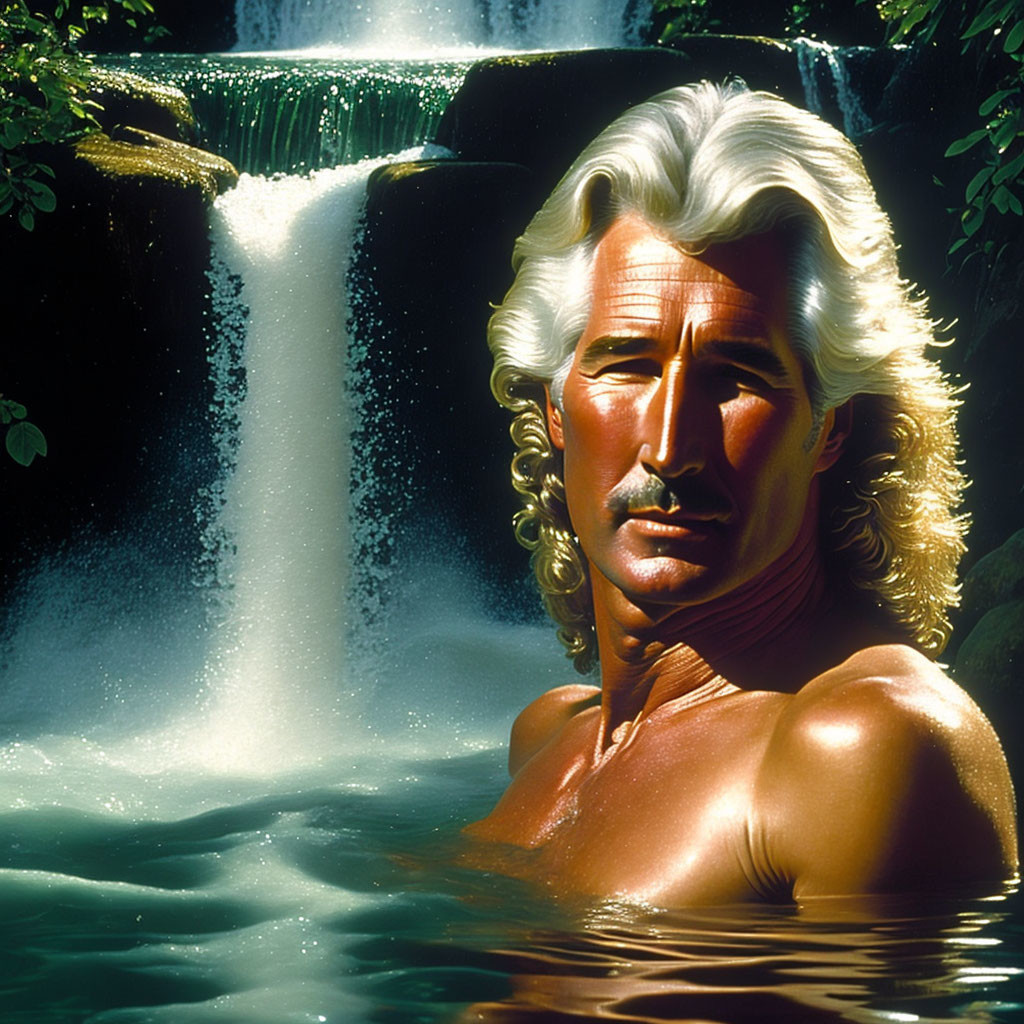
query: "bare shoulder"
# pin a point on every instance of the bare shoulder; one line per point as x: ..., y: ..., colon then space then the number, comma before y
x: 891, y: 685
x: 883, y: 775
x: 544, y: 718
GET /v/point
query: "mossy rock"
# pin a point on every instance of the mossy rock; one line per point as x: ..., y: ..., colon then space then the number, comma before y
x: 113, y: 283
x: 992, y: 656
x: 140, y: 154
x: 130, y: 99
x: 993, y: 580
x: 990, y: 666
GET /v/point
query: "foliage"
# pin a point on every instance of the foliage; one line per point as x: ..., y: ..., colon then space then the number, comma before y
x: 24, y: 440
x: 695, y: 17
x: 44, y: 93
x: 991, y: 40
x: 780, y: 19
x: 44, y: 99
x: 689, y: 19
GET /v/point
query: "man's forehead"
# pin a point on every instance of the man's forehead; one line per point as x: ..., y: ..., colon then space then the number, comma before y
x: 639, y: 275
x: 632, y: 250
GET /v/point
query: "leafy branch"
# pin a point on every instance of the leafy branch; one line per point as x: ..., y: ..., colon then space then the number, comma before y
x: 44, y: 82
x: 991, y: 34
x: 23, y: 440
x: 44, y: 100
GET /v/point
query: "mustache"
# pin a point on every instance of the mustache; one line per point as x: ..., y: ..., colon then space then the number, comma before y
x: 686, y: 494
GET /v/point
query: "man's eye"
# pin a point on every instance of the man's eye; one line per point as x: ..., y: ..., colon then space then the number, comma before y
x: 742, y: 378
x: 632, y: 368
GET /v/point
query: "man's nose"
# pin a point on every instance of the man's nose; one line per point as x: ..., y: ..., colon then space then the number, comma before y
x: 674, y: 427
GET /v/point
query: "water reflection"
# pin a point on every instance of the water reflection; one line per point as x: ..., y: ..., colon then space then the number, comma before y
x: 874, y: 961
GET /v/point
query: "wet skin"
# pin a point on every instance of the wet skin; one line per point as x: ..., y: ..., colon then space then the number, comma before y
x: 756, y: 735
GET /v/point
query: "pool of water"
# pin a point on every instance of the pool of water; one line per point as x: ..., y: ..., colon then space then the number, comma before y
x: 306, y: 899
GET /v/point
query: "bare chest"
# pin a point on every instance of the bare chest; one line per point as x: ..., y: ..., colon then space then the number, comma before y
x: 668, y: 815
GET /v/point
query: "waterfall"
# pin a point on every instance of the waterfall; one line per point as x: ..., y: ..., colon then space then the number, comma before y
x: 292, y: 115
x: 279, y: 667
x: 811, y: 55
x: 410, y: 26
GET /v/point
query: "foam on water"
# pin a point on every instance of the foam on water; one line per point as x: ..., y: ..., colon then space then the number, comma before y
x: 405, y: 27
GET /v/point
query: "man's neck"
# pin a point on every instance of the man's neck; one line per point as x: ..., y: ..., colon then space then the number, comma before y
x: 767, y: 634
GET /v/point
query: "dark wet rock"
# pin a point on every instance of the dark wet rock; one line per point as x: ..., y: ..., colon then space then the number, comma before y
x: 130, y: 99
x: 990, y: 666
x: 110, y: 360
x: 435, y: 256
x: 542, y: 109
x: 993, y: 580
x: 990, y: 660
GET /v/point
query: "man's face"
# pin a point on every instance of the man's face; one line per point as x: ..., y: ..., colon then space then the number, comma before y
x: 686, y: 422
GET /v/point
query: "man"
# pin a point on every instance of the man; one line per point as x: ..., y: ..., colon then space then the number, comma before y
x: 738, y: 474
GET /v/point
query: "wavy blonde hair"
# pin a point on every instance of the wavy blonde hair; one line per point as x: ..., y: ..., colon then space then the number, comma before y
x: 705, y: 164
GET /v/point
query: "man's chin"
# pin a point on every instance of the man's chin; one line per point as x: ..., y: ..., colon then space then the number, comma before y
x: 662, y: 583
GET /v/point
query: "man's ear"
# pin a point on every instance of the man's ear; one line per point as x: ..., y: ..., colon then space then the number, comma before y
x: 837, y: 426
x: 554, y: 422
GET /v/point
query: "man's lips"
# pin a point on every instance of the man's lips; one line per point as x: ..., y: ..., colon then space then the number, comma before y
x: 677, y: 516
x: 673, y: 523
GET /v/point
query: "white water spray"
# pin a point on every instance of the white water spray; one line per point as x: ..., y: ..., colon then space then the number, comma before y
x: 284, y: 636
x: 418, y: 26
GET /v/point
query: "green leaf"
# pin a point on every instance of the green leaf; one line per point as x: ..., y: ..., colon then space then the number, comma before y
x: 1006, y: 133
x: 993, y: 101
x: 26, y: 218
x: 912, y: 18
x: 905, y: 15
x: 964, y: 144
x: 1014, y: 204
x: 1010, y: 170
x: 1014, y: 38
x: 42, y: 198
x: 988, y: 16
x: 13, y: 135
x: 16, y: 409
x: 974, y: 187
x: 972, y: 220
x: 24, y: 442
x: 1001, y: 199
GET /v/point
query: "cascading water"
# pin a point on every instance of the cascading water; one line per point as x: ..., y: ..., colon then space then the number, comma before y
x: 408, y: 26
x: 271, y: 114
x: 285, y: 499
x: 812, y: 55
